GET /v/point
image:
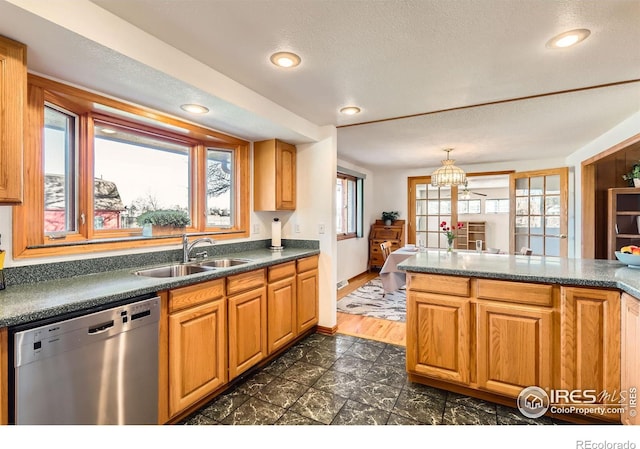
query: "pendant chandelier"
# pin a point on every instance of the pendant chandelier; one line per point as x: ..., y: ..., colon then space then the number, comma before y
x: 448, y: 174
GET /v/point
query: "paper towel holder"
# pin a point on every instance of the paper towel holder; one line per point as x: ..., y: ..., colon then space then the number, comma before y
x: 276, y: 225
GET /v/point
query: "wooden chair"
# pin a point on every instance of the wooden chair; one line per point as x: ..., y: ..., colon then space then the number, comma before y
x: 386, y: 249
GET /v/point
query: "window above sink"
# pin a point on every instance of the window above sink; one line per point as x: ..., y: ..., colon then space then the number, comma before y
x: 105, y: 162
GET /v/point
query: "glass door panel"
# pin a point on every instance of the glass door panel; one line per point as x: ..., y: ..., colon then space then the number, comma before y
x: 539, y: 219
x: 431, y: 206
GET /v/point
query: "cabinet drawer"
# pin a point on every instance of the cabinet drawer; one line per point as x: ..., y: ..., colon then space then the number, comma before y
x: 282, y: 271
x: 433, y: 283
x: 308, y: 263
x: 387, y: 234
x: 245, y: 281
x: 183, y: 297
x: 517, y: 292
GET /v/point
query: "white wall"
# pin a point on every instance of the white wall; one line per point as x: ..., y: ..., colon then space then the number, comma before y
x: 497, y: 225
x: 353, y: 254
x: 316, y: 202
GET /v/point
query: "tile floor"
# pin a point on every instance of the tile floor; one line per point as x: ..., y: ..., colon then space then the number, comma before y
x: 344, y: 380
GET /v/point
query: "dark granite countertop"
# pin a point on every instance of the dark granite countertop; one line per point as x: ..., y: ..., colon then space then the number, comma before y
x: 550, y: 270
x: 33, y: 301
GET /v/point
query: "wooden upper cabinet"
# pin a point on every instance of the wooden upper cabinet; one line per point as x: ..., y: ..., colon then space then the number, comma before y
x: 13, y: 98
x: 274, y: 175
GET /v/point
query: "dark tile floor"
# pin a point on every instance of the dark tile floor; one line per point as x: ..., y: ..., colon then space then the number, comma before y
x: 344, y: 380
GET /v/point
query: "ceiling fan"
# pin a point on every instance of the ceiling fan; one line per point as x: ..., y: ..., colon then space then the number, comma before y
x: 465, y: 193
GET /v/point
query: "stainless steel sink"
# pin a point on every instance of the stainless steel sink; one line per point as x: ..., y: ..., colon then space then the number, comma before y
x: 223, y: 263
x: 175, y: 270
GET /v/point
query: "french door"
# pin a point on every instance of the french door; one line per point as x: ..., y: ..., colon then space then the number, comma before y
x: 539, y: 206
x: 538, y: 212
x: 428, y: 207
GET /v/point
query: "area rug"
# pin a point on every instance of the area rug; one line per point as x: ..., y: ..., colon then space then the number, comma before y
x: 367, y: 300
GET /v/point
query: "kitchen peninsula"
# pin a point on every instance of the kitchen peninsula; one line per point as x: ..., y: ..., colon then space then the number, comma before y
x: 489, y: 325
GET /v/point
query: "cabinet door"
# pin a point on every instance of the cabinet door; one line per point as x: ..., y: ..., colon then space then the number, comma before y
x: 307, y: 286
x: 514, y: 347
x: 590, y: 340
x: 438, y: 336
x: 197, y: 353
x: 247, y: 330
x: 285, y: 176
x: 630, y: 379
x: 281, y: 312
x: 13, y: 97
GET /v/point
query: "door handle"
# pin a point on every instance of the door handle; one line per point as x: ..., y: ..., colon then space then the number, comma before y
x: 563, y: 236
x: 100, y: 327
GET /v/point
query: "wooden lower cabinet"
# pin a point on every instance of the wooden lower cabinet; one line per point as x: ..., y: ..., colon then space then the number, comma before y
x: 499, y: 336
x: 197, y: 343
x: 438, y: 336
x: 515, y: 347
x: 496, y: 346
x: 590, y: 342
x: 307, y: 293
x: 630, y: 373
x: 247, y: 330
x: 281, y: 306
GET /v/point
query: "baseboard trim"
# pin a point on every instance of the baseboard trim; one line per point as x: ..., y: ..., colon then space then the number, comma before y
x: 327, y: 330
x: 357, y: 276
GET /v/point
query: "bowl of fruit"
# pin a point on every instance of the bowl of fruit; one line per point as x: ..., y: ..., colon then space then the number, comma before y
x: 629, y: 255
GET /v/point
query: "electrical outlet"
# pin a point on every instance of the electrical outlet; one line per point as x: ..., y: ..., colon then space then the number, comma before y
x: 321, y: 228
x: 297, y: 228
x: 256, y: 228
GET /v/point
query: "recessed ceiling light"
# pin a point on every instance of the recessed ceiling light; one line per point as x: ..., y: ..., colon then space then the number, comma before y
x: 285, y: 59
x: 108, y: 130
x: 568, y: 38
x: 350, y: 110
x: 194, y: 108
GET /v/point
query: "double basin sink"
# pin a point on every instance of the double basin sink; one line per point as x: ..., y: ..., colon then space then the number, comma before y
x: 186, y: 269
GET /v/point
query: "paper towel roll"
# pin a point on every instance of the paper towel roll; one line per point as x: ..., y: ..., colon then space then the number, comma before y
x: 276, y: 232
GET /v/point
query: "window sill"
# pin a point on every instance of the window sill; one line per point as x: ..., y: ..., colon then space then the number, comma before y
x: 111, y: 244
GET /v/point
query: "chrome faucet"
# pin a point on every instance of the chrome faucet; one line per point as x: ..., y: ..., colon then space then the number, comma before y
x: 186, y: 247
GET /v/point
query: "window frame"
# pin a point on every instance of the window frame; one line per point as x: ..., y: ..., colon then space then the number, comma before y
x: 497, y: 201
x: 467, y: 202
x: 29, y: 239
x: 358, y: 206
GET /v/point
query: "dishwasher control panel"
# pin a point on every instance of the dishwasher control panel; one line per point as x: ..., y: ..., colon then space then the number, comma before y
x: 47, y: 340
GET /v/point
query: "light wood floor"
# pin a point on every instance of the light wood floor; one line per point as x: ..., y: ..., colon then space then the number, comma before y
x: 366, y: 327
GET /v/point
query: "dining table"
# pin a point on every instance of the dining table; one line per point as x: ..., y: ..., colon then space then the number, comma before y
x: 392, y: 278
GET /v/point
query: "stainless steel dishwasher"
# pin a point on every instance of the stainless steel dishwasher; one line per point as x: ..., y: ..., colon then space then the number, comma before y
x: 97, y: 368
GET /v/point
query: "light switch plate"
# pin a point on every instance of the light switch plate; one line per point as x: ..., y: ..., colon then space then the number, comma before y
x: 256, y: 228
x: 297, y: 228
x: 321, y: 228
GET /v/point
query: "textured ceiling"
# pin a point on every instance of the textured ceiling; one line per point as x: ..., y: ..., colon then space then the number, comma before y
x: 393, y: 59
